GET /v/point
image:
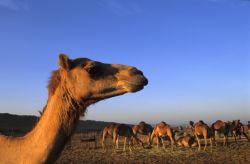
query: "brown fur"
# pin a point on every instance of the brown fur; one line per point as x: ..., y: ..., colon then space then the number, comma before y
x: 72, y: 88
x: 221, y: 127
x: 143, y: 129
x: 162, y: 130
x: 186, y: 141
x: 116, y: 130
x: 202, y: 130
x: 107, y: 131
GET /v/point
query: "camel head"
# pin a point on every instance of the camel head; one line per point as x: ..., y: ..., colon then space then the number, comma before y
x: 91, y: 81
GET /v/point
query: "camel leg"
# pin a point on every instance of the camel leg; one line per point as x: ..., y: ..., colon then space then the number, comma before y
x: 149, y: 142
x: 134, y: 140
x: 140, y: 142
x: 117, y: 143
x: 151, y: 139
x: 163, y: 143
x: 214, y: 135
x: 103, y: 141
x: 157, y: 140
x: 130, y: 144
x: 211, y: 144
x: 225, y: 140
x: 234, y: 135
x: 172, y: 143
x: 199, y: 142
x: 205, y: 139
x: 224, y: 143
x: 124, y: 147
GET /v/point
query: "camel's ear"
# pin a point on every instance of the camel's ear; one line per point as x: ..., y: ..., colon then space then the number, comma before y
x: 64, y: 62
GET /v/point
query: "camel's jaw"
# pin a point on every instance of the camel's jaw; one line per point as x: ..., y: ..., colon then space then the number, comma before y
x: 133, y: 85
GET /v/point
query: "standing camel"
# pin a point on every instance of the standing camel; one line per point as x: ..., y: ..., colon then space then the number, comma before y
x: 248, y: 126
x: 107, y: 131
x: 126, y: 132
x: 143, y: 129
x: 237, y: 129
x: 116, y: 130
x: 72, y: 88
x: 161, y: 131
x: 221, y: 127
x: 200, y: 129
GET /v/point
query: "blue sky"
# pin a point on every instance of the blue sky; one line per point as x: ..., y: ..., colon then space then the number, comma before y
x: 195, y: 53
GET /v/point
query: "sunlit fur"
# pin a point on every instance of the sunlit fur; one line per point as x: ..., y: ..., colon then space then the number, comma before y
x: 74, y: 86
x: 163, y: 130
x: 202, y: 130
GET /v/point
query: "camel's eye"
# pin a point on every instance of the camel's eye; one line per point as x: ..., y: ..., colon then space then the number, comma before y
x: 95, y: 71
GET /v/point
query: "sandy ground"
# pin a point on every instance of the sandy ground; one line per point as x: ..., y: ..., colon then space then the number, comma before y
x: 87, y: 152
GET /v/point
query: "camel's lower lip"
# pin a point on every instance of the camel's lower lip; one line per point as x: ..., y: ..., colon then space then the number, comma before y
x: 134, y: 88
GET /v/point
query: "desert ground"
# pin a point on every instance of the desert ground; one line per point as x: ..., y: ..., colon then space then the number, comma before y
x: 91, y: 152
x: 78, y: 151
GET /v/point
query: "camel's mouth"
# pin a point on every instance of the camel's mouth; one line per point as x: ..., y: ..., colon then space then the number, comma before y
x: 135, y: 84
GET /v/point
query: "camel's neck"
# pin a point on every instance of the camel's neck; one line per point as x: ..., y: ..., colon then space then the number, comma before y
x: 46, y: 141
x: 55, y: 126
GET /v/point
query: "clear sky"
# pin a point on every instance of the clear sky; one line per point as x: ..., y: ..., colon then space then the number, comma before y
x: 195, y: 53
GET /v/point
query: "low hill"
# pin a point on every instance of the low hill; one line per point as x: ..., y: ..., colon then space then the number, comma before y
x: 11, y: 124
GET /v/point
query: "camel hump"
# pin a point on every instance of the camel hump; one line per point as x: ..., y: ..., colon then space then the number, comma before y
x: 201, y: 122
x: 142, y: 123
x: 163, y: 123
x: 112, y: 125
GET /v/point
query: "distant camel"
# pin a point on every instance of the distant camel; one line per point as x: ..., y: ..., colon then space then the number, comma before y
x: 143, y: 129
x: 248, y: 125
x: 221, y: 127
x: 161, y: 131
x: 200, y: 129
x: 186, y: 141
x: 72, y: 88
x: 237, y: 129
x: 117, y: 130
x: 107, y: 131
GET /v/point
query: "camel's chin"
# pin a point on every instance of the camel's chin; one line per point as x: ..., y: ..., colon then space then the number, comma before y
x: 135, y: 89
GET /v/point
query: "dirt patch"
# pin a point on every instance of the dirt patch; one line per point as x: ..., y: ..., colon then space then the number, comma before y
x: 82, y: 152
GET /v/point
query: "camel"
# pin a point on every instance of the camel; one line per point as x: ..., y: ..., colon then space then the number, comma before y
x: 143, y: 129
x: 221, y: 127
x: 116, y: 130
x: 186, y: 141
x: 200, y: 129
x: 161, y: 131
x: 107, y: 131
x: 72, y: 88
x: 237, y: 129
x: 248, y: 126
x: 127, y: 132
